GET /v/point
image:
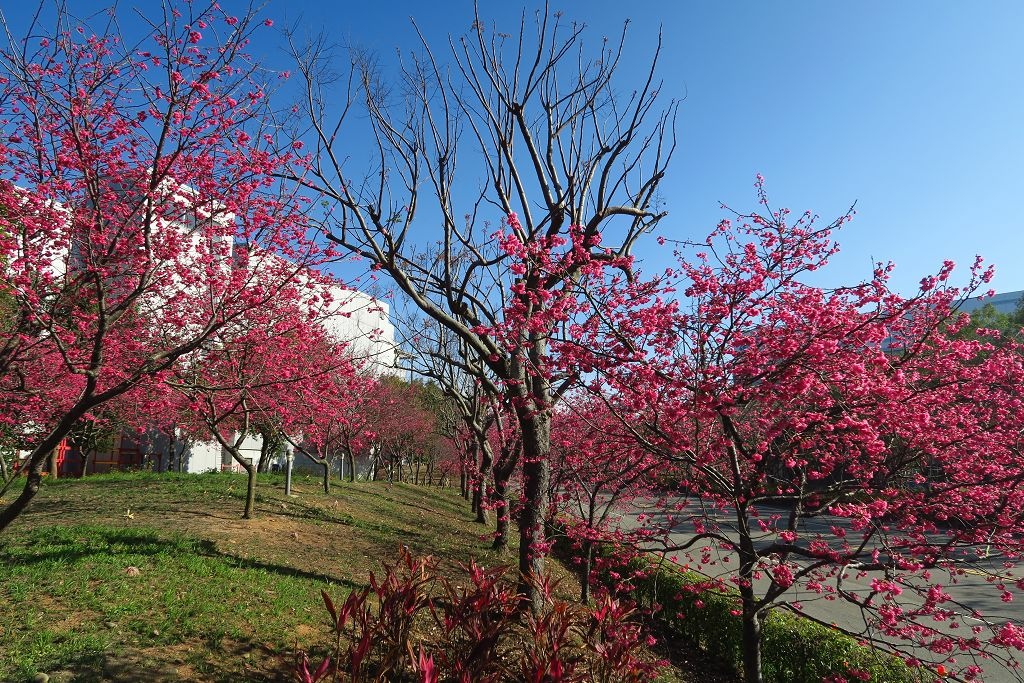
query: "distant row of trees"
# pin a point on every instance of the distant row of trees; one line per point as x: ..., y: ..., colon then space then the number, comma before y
x: 1007, y: 325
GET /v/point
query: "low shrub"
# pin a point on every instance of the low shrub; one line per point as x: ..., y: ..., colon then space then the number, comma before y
x: 794, y: 649
x: 411, y: 625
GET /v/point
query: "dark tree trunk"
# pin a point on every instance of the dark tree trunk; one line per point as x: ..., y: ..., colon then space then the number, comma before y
x: 751, y: 638
x: 177, y: 449
x: 323, y: 462
x: 250, y: 489
x: 468, y: 466
x: 173, y: 459
x: 250, y: 471
x: 480, y: 496
x: 35, y: 465
x: 51, y: 464
x: 233, y: 449
x: 268, y: 449
x: 501, y: 513
x: 751, y: 615
x: 535, y: 428
x: 586, y: 564
x: 87, y: 459
x: 326, y: 465
x: 486, y: 460
x: 263, y: 465
x: 35, y: 479
x: 503, y: 471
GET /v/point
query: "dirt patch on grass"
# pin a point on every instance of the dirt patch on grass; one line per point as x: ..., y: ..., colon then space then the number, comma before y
x: 191, y: 662
x: 60, y: 617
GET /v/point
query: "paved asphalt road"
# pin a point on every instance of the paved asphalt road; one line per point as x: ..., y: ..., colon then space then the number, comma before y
x: 972, y: 590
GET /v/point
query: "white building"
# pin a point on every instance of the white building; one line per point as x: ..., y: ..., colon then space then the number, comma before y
x: 362, y: 322
x: 351, y: 317
x: 1005, y: 302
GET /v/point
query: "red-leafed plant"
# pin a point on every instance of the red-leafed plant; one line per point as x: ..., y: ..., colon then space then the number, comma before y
x: 410, y: 624
x: 474, y: 621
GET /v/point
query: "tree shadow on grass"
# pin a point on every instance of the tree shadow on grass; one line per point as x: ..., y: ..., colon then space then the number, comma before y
x: 180, y: 508
x: 318, y: 513
x: 421, y: 501
x: 85, y: 512
x: 68, y: 545
x: 223, y: 659
x: 228, y: 661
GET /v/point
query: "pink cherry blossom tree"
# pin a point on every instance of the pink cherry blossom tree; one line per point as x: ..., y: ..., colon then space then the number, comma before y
x: 828, y: 438
x: 327, y: 418
x: 265, y: 368
x: 599, y: 473
x: 404, y: 428
x: 439, y: 355
x: 133, y: 168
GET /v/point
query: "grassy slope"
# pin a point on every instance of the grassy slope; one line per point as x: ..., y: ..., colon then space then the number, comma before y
x: 215, y: 597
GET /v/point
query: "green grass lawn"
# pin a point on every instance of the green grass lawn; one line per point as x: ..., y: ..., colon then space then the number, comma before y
x: 155, y: 577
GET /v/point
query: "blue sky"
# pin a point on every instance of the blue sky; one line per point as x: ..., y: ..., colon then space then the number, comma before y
x: 913, y: 109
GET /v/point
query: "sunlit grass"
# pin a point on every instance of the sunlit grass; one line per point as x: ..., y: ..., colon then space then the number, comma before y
x: 161, y: 567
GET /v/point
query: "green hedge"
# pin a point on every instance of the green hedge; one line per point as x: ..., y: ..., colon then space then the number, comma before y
x: 793, y: 649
